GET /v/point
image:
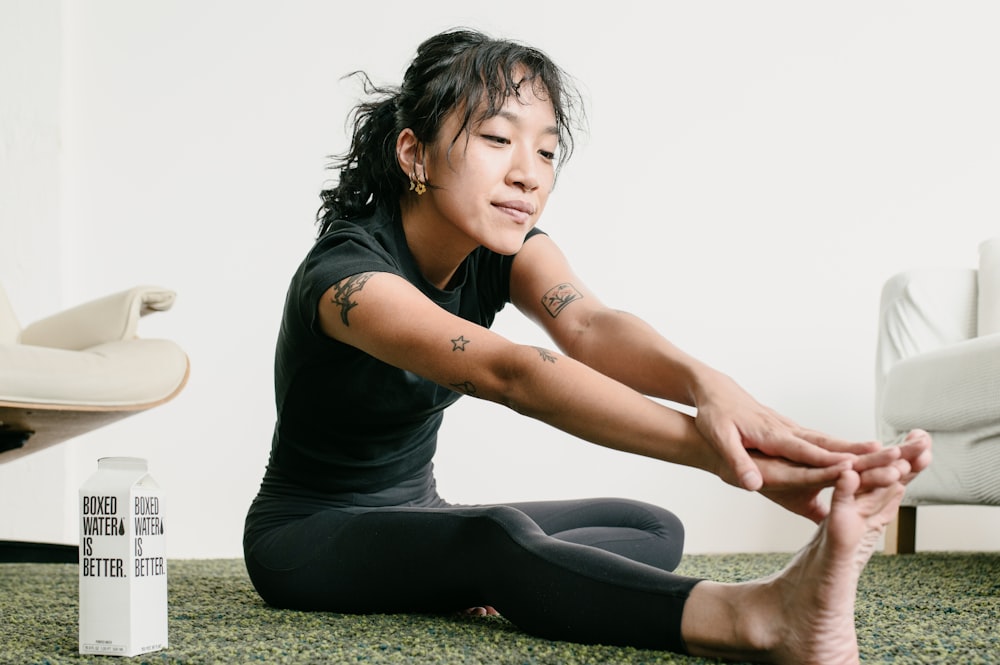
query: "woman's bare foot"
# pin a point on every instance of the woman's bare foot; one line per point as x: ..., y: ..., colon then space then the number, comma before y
x: 824, y: 578
x: 805, y: 613
x: 900, y: 461
x: 915, y: 449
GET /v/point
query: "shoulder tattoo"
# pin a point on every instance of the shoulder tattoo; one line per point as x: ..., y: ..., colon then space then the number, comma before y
x: 560, y: 295
x: 344, y: 289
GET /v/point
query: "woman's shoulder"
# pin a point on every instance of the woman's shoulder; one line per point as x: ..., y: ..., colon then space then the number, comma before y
x: 373, y: 236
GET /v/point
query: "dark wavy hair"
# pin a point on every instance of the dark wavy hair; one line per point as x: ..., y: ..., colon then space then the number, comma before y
x: 458, y: 70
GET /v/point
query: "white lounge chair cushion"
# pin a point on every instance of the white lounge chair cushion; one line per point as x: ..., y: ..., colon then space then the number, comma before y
x: 90, y: 356
x: 132, y: 372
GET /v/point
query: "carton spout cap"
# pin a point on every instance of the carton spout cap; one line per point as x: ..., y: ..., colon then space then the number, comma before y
x: 123, y: 463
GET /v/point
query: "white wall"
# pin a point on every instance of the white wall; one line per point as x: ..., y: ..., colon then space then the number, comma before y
x: 753, y: 173
x: 31, y: 266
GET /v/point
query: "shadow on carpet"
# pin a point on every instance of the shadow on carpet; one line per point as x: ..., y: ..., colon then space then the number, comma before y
x: 922, y: 608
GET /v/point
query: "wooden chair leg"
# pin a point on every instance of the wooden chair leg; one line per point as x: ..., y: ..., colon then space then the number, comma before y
x: 901, y: 534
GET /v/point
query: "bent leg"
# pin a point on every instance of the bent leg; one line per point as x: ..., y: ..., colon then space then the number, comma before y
x: 640, y: 531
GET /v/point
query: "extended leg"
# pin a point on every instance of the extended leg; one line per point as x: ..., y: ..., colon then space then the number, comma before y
x: 431, y: 560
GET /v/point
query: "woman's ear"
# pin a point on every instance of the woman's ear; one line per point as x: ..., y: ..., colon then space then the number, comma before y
x: 409, y: 154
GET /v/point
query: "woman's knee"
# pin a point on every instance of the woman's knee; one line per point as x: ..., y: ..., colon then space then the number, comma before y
x: 637, y: 530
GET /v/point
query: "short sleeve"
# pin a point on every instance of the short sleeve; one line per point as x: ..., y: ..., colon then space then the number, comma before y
x: 336, y: 256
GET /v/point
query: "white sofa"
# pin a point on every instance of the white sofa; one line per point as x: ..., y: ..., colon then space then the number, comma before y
x: 938, y: 369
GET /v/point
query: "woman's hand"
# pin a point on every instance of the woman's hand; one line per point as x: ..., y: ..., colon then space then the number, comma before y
x: 736, y: 425
x: 797, y: 488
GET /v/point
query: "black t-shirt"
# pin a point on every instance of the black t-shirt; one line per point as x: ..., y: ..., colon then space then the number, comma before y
x: 348, y: 422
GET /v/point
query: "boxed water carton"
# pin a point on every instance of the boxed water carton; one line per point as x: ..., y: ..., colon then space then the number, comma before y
x: 123, y: 565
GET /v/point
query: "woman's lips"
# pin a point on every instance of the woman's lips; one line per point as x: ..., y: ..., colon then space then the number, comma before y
x: 519, y: 211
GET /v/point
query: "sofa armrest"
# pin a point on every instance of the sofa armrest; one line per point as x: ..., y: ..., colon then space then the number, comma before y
x: 989, y: 286
x: 109, y: 319
x: 949, y: 389
x: 926, y: 309
x: 922, y: 310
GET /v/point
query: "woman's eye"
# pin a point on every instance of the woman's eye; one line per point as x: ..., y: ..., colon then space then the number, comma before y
x: 547, y: 154
x: 496, y: 139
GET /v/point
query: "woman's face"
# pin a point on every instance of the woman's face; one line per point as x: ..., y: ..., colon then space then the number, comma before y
x: 495, y: 182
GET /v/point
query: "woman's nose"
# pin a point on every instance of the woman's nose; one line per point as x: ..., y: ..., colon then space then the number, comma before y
x: 523, y: 170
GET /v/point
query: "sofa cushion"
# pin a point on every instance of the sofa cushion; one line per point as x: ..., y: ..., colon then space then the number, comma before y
x: 952, y: 388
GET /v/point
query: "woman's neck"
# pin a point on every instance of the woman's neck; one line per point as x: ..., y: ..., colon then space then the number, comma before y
x: 436, y: 247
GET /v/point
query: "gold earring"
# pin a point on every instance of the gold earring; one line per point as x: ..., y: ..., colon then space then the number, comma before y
x: 417, y: 186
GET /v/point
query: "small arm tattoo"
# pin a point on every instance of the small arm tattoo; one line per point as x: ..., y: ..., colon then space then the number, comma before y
x: 343, y: 290
x: 560, y: 295
x: 546, y: 355
x: 466, y: 387
x: 458, y: 344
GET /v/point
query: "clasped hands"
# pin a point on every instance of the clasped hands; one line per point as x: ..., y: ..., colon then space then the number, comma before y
x: 761, y: 450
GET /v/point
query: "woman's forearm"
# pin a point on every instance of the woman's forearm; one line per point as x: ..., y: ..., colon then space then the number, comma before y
x: 627, y: 349
x: 584, y: 402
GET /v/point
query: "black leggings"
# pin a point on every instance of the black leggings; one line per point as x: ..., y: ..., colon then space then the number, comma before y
x: 590, y: 571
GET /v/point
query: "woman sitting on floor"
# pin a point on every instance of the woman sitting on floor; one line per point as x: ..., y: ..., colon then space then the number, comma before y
x: 429, y: 232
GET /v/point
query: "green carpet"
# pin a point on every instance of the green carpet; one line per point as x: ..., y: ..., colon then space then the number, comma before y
x: 922, y: 608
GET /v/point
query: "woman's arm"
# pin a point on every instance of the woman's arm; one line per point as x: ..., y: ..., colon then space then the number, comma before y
x: 388, y: 318
x: 625, y: 348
